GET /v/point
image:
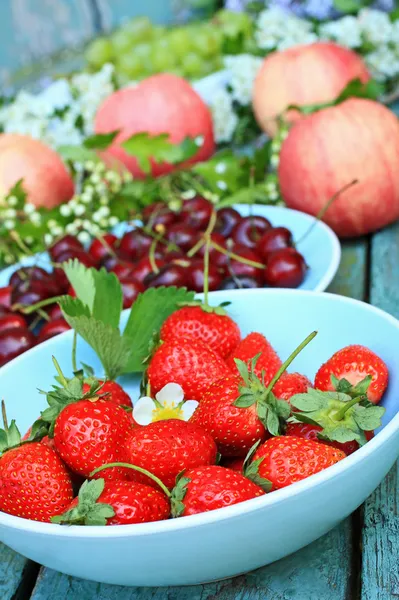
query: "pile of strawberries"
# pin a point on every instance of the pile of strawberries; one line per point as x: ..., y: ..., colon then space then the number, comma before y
x: 257, y: 428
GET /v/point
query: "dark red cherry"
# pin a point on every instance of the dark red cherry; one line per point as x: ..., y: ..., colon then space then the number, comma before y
x: 135, y: 244
x: 5, y: 296
x: 55, y: 312
x: 235, y: 267
x: 131, y: 289
x: 215, y: 257
x: 102, y: 247
x: 168, y: 275
x: 249, y: 230
x: 195, y: 213
x: 28, y: 274
x: 143, y: 268
x: 33, y: 292
x: 195, y: 277
x: 51, y: 329
x: 65, y: 244
x: 285, y: 268
x: 158, y: 214
x: 122, y: 269
x: 5, y: 311
x: 81, y: 255
x: 14, y: 342
x: 276, y: 238
x: 61, y: 280
x: 227, y: 219
x: 181, y: 235
x: 11, y: 321
x: 238, y: 283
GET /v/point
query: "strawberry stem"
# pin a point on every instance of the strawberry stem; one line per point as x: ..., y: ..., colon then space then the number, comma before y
x: 134, y: 468
x: 4, y: 415
x: 74, y: 344
x: 289, y: 360
x: 63, y: 379
x: 342, y: 411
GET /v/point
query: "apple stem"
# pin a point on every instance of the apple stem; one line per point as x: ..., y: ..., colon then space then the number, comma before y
x: 325, y: 208
x: 134, y: 468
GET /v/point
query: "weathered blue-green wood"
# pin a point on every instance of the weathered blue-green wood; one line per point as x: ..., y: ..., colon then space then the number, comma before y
x: 351, y: 279
x: 14, y: 568
x: 380, y: 572
x: 115, y: 12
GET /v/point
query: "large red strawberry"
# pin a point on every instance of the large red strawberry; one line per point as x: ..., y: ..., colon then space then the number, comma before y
x: 115, y: 503
x: 203, y: 489
x: 89, y: 434
x: 290, y: 384
x: 216, y: 330
x: 191, y: 364
x: 353, y: 364
x: 311, y: 432
x: 165, y: 448
x: 112, y: 391
x: 285, y: 460
x: 253, y: 345
x: 34, y: 482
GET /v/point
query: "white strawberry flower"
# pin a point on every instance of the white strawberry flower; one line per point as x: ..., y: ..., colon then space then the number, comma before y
x: 168, y: 404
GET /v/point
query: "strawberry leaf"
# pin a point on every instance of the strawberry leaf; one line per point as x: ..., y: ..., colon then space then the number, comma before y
x: 252, y: 472
x: 145, y: 320
x: 178, y: 495
x: 159, y: 149
x: 368, y: 418
x: 9, y: 437
x: 88, y: 510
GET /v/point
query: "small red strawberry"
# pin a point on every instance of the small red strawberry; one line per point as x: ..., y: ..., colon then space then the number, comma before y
x: 191, y: 364
x: 115, y: 503
x: 34, y: 482
x: 208, y: 488
x: 89, y: 434
x: 216, y: 330
x: 353, y: 365
x: 253, y: 345
x: 311, y: 432
x: 165, y: 448
x: 285, y: 460
x: 113, y: 391
x: 290, y: 384
x: 233, y: 463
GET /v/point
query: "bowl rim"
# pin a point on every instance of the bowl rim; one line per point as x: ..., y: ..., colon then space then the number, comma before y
x: 230, y: 512
x: 42, y: 258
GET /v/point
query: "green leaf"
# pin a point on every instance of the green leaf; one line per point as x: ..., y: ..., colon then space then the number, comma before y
x: 252, y: 473
x: 78, y: 154
x: 312, y: 400
x: 146, y: 318
x: 9, y: 438
x: 356, y: 88
x: 368, y: 418
x: 178, y: 495
x: 243, y: 370
x: 348, y: 6
x: 159, y: 149
x: 112, y: 349
x: 108, y: 298
x: 362, y: 387
x: 82, y: 280
x: 341, y: 434
x: 283, y: 409
x: 88, y: 511
x: 245, y: 400
x: 273, y: 423
x: 100, y: 141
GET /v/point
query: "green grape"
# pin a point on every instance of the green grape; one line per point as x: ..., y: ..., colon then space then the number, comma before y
x: 192, y: 65
x: 99, y: 52
x: 180, y: 41
x: 139, y: 28
x: 121, y: 41
x: 143, y: 52
x: 234, y: 23
x: 206, y: 43
x: 129, y: 64
x: 162, y: 56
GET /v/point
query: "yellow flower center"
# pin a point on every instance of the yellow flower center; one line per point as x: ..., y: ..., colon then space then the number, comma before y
x: 167, y: 411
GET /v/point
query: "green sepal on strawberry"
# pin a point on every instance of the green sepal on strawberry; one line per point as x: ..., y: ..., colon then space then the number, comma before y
x: 343, y: 418
x: 85, y: 509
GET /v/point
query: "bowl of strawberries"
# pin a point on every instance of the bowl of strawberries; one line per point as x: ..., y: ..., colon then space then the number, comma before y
x: 191, y: 439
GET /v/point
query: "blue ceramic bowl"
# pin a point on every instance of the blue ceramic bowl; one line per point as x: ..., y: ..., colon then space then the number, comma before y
x: 320, y: 248
x: 239, y: 538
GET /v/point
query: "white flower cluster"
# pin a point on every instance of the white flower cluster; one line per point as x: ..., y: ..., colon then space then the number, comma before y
x: 63, y: 113
x: 225, y: 119
x: 243, y: 70
x: 278, y: 29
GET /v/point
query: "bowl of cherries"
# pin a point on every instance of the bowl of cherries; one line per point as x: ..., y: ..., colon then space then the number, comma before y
x: 249, y: 247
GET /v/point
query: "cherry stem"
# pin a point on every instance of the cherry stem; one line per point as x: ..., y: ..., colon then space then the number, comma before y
x: 134, y: 468
x: 74, y: 344
x: 27, y: 310
x: 104, y: 242
x: 289, y: 360
x: 325, y: 208
x: 14, y: 235
x: 207, y: 234
x: 4, y: 415
x: 237, y: 257
x: 342, y: 411
x: 207, y: 237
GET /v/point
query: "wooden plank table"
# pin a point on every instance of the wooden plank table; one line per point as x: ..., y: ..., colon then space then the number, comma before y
x: 358, y: 560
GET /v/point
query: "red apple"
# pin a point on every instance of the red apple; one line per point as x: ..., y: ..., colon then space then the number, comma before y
x: 162, y: 103
x: 309, y: 74
x: 45, y: 177
x: 358, y: 139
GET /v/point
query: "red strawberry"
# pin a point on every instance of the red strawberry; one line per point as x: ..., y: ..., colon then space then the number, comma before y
x: 191, y: 364
x: 218, y: 331
x: 34, y: 482
x: 120, y: 503
x: 208, y: 488
x: 234, y: 463
x: 287, y: 459
x: 310, y: 432
x: 89, y: 434
x: 290, y: 384
x: 165, y: 448
x: 115, y: 392
x: 252, y: 345
x: 354, y: 364
x: 235, y: 429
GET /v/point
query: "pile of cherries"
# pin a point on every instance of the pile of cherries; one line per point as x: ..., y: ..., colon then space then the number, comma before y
x: 169, y: 248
